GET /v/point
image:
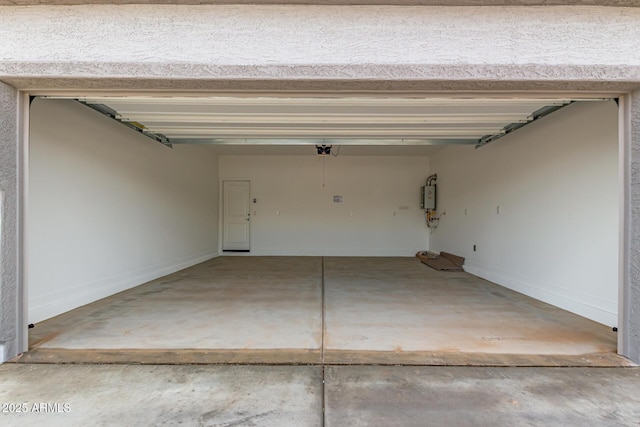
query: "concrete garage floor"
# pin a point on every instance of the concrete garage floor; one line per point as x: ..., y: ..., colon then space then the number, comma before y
x: 230, y: 309
x: 320, y: 324
x: 125, y: 395
x: 376, y: 309
x: 474, y: 396
x: 224, y: 395
x: 322, y: 310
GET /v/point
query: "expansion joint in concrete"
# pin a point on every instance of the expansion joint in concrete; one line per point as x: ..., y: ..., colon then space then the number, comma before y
x: 322, y: 341
x: 323, y: 309
x: 323, y: 396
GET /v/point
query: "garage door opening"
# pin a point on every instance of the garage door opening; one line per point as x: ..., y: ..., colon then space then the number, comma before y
x: 330, y: 275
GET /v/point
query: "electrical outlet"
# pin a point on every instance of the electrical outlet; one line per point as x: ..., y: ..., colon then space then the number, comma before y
x: 474, y: 248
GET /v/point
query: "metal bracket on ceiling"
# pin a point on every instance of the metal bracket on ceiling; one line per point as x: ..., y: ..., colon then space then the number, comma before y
x: 512, y: 127
x: 112, y: 114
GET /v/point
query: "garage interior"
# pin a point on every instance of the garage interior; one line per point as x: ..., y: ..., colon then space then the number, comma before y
x: 134, y: 253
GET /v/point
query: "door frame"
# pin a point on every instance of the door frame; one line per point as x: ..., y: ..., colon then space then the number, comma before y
x: 221, y: 217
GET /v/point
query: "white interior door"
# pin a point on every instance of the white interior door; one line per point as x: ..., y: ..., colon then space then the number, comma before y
x: 236, y: 216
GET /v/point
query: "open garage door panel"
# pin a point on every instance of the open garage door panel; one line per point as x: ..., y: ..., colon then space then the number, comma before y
x: 341, y: 121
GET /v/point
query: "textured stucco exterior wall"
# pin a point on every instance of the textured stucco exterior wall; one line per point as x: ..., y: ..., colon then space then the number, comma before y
x: 630, y: 3
x: 318, y: 47
x: 279, y: 35
x: 632, y: 294
x: 8, y: 221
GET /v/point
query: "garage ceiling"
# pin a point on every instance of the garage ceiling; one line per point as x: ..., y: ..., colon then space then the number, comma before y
x: 367, y: 121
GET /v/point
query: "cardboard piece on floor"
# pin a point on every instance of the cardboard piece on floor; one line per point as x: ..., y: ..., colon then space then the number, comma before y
x: 443, y: 262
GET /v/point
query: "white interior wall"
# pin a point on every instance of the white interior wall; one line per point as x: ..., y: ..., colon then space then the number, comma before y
x: 556, y: 183
x: 380, y: 213
x: 110, y: 209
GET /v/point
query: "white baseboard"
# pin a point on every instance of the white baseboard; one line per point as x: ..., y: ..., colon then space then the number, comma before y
x: 61, y: 301
x: 403, y: 252
x: 541, y: 292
